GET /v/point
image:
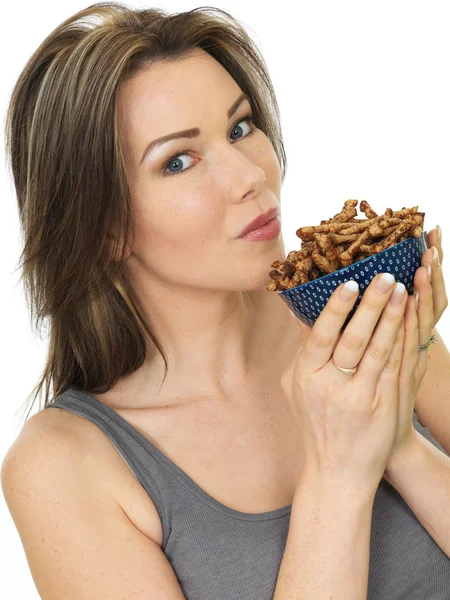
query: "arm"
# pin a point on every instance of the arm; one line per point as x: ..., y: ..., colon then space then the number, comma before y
x: 78, y: 541
x: 432, y: 403
x: 327, y: 549
x: 421, y: 475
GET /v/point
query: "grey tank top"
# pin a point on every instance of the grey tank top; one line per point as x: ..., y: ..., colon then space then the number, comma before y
x: 223, y: 554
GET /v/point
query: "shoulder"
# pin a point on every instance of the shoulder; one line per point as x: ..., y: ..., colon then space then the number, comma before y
x: 44, y: 448
x: 48, y: 433
x: 69, y: 523
x: 55, y: 444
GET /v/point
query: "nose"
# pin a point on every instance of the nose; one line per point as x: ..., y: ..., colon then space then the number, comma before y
x: 250, y: 180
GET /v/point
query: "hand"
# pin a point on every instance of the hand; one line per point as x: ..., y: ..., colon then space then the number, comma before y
x: 348, y: 424
x: 418, y: 330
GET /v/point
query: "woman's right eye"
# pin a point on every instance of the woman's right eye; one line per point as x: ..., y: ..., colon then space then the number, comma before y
x: 175, y: 158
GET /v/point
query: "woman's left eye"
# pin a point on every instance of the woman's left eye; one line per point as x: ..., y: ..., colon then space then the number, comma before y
x: 175, y: 157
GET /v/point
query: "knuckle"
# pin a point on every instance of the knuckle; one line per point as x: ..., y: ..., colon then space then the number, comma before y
x: 336, y: 309
x: 321, y: 340
x: 331, y: 388
x: 393, y: 363
x: 372, y: 302
x: 301, y: 381
x: 378, y: 353
x: 393, y: 314
x: 354, y: 343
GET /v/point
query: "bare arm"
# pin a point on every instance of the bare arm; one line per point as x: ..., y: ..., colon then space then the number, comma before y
x: 78, y: 541
x: 421, y: 475
x: 327, y: 550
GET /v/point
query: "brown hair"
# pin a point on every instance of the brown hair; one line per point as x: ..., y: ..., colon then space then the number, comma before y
x: 68, y: 165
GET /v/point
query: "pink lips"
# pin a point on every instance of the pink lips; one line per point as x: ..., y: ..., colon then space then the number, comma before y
x: 260, y: 221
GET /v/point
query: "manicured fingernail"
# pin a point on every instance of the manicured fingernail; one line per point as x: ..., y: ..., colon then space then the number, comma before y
x: 348, y: 290
x: 439, y: 230
x: 417, y: 300
x: 384, y: 283
x: 428, y: 266
x: 435, y: 256
x: 398, y: 294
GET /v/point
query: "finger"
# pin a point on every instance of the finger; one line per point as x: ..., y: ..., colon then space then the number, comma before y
x: 388, y: 382
x: 322, y: 338
x: 440, y: 299
x: 377, y: 353
x: 357, y: 334
x: 425, y: 312
x: 433, y: 239
x: 410, y: 351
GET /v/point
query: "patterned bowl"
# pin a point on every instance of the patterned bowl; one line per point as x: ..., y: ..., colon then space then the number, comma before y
x: 307, y: 301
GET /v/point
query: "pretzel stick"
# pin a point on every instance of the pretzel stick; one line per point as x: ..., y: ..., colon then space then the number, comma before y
x: 367, y: 209
x: 344, y: 240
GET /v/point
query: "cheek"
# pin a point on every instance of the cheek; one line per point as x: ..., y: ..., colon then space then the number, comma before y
x: 178, y: 221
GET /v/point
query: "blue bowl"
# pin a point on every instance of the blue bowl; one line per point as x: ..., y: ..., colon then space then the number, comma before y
x: 308, y: 300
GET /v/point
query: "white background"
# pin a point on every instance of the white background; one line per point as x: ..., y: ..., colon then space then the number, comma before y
x: 364, y: 95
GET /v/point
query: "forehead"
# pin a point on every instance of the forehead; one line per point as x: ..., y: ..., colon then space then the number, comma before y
x: 173, y: 95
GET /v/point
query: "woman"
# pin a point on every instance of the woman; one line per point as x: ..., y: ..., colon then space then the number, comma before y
x: 163, y: 335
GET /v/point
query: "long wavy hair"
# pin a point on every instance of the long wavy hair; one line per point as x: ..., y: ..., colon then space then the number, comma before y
x: 66, y: 155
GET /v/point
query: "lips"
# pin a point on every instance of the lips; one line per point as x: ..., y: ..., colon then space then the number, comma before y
x: 260, y: 221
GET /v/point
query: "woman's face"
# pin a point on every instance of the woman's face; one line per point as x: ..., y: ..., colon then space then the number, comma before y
x: 188, y: 211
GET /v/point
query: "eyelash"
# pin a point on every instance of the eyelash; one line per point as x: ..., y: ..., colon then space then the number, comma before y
x: 248, y: 118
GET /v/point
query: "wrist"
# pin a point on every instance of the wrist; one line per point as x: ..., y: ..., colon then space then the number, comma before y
x: 335, y: 488
x: 404, y: 458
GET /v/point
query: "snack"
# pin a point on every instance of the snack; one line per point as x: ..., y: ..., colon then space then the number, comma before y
x: 343, y: 240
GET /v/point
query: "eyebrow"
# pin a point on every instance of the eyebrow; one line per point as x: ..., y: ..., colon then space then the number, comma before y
x: 190, y: 133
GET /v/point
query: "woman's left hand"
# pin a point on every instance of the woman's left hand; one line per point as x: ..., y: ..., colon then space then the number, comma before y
x: 419, y: 327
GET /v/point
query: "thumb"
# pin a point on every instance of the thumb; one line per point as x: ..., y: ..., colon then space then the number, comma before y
x: 305, y: 330
x: 288, y: 373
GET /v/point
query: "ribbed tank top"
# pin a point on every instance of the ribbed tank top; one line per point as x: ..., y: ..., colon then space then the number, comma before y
x: 223, y: 554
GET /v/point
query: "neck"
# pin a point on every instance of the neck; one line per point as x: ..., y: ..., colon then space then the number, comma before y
x: 213, y: 354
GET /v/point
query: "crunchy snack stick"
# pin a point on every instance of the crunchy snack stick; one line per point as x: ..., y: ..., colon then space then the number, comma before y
x: 367, y: 209
x: 343, y: 240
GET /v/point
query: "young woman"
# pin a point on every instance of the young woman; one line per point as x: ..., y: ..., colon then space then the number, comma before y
x: 205, y: 445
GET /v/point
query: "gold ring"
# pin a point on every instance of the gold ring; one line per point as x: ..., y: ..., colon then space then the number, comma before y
x: 346, y: 371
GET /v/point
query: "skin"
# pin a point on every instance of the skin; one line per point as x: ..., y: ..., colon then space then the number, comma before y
x: 203, y: 290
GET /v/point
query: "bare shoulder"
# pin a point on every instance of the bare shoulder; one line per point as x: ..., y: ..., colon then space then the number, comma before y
x: 54, y: 436
x: 77, y: 539
x: 51, y: 431
x: 39, y: 434
x: 46, y: 441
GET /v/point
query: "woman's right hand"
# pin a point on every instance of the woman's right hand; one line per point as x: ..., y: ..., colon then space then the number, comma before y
x: 348, y: 422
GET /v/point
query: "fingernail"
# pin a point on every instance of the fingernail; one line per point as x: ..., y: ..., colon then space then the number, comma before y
x: 428, y: 266
x: 439, y: 230
x: 348, y: 290
x: 435, y: 256
x: 417, y: 300
x: 385, y: 283
x: 398, y: 294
